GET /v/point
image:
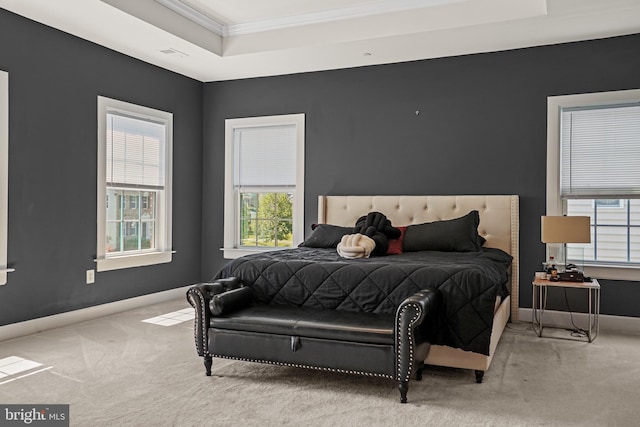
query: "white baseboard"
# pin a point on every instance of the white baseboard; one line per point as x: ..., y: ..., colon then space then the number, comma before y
x: 34, y: 326
x: 563, y: 319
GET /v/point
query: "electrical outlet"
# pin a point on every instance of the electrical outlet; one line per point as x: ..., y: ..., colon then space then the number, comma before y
x: 91, y: 276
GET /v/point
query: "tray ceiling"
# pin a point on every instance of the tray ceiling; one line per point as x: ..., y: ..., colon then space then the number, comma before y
x: 213, y: 40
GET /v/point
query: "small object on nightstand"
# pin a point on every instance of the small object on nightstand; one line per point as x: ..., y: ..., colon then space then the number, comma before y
x: 551, y: 269
x: 571, y: 276
x: 550, y: 264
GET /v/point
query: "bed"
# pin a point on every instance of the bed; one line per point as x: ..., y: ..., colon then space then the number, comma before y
x: 469, y: 345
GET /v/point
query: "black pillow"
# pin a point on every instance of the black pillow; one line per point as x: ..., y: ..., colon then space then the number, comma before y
x: 229, y: 301
x: 453, y: 235
x: 325, y: 236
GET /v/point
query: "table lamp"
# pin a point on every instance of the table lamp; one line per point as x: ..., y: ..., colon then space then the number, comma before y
x: 565, y: 229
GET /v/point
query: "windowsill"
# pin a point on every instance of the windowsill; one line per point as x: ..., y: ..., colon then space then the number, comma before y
x: 233, y: 253
x: 630, y: 273
x: 130, y: 261
x: 3, y: 275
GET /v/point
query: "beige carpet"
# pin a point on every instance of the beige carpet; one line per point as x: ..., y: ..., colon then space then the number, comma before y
x: 119, y: 371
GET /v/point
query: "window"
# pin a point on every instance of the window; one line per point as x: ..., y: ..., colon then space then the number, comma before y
x: 615, y: 230
x: 134, y: 185
x: 264, y: 183
x: 4, y: 173
x: 593, y: 169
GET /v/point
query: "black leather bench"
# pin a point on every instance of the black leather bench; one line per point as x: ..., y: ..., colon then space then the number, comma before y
x: 382, y: 345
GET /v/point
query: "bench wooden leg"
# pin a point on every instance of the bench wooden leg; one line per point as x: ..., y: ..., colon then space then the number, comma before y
x: 208, y: 361
x: 419, y: 372
x: 403, y: 386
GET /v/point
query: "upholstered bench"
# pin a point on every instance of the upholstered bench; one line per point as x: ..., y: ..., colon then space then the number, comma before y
x: 229, y: 324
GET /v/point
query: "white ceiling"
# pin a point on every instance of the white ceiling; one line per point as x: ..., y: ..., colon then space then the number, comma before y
x: 252, y: 38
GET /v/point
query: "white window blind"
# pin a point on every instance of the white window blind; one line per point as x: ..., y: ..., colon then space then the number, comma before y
x: 600, y: 152
x: 265, y: 156
x: 135, y: 152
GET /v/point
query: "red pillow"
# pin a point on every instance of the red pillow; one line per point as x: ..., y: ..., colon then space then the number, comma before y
x: 395, y: 245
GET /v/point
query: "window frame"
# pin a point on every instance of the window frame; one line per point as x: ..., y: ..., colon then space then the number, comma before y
x: 4, y: 175
x: 231, y: 248
x: 163, y: 253
x: 555, y: 205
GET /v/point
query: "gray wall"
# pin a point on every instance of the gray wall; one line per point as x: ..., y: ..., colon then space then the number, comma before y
x: 54, y: 81
x: 481, y: 130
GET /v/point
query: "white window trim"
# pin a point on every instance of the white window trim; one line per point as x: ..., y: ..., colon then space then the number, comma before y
x: 231, y: 205
x: 163, y: 253
x: 4, y: 174
x: 554, y: 202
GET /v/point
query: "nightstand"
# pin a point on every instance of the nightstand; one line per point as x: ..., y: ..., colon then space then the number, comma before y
x: 540, y: 289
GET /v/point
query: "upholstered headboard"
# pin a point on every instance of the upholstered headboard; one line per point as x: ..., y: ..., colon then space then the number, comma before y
x: 499, y: 219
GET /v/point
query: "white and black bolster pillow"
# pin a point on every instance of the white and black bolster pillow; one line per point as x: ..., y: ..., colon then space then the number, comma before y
x: 376, y: 226
x: 229, y: 301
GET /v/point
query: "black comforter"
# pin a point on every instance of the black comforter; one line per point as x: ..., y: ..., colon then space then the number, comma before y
x: 469, y: 283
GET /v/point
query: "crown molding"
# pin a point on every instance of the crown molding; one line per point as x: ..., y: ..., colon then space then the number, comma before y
x: 194, y: 15
x: 350, y: 12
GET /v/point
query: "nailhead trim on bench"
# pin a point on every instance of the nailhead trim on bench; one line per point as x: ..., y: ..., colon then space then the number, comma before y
x: 295, y: 365
x: 410, y: 335
x: 205, y: 347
